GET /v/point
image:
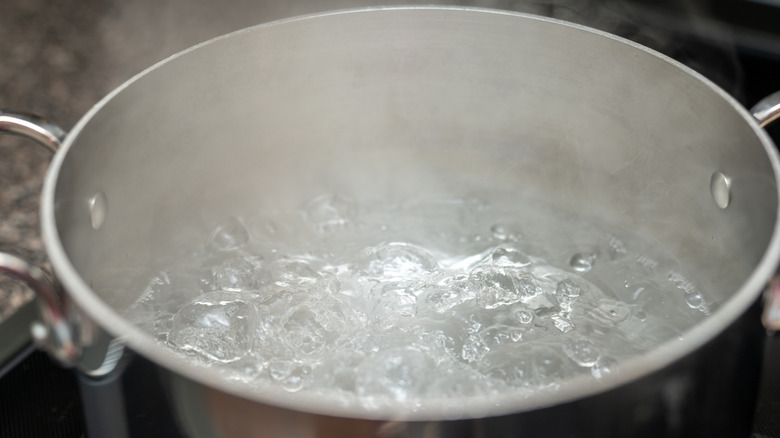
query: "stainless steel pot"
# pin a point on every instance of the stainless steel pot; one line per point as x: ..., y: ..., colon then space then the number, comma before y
x: 386, y: 103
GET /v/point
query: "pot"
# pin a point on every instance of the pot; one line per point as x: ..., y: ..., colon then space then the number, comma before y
x: 386, y: 104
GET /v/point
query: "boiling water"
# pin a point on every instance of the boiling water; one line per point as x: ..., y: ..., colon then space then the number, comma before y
x: 387, y: 303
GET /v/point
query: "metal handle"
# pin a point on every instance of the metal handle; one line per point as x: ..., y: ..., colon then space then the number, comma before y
x: 63, y: 331
x: 771, y: 315
x: 56, y: 331
x: 33, y: 127
x: 767, y: 110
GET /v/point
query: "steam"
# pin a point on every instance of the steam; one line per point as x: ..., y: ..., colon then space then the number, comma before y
x: 683, y: 30
x: 137, y: 34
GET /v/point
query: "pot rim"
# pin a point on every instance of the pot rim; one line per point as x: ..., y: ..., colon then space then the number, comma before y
x: 437, y: 409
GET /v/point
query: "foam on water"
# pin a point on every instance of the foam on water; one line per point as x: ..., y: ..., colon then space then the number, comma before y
x: 395, y: 303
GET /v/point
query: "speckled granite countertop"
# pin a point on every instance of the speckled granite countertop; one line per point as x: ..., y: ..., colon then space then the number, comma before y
x: 47, y: 66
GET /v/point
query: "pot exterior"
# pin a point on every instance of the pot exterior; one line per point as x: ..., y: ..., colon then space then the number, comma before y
x: 710, y: 393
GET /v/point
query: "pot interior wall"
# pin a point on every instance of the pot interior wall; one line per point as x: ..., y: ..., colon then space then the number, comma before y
x: 399, y: 103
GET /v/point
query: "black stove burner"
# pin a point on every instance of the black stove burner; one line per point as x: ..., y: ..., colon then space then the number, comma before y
x: 767, y: 419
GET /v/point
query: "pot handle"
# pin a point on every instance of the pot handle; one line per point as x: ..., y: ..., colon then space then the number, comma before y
x: 771, y: 314
x: 61, y: 330
x: 54, y: 333
x: 33, y: 127
x: 767, y: 110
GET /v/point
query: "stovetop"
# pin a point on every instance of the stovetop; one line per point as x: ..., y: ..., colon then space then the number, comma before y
x: 767, y: 419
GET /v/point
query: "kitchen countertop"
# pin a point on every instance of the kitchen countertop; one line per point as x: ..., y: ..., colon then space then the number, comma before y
x: 47, y: 67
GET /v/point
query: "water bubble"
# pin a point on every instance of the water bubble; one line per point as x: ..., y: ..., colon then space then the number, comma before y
x: 582, y: 351
x: 617, y: 248
x: 279, y: 300
x: 568, y: 288
x: 339, y: 370
x: 397, y: 373
x: 391, y: 302
x: 474, y: 349
x: 397, y: 260
x: 610, y: 312
x: 681, y: 281
x: 504, y: 256
x: 229, y: 235
x: 291, y: 272
x: 543, y: 304
x: 604, y: 367
x: 239, y: 273
x: 526, y: 284
x: 279, y: 369
x: 496, y: 286
x: 637, y: 293
x: 648, y: 264
x: 550, y: 365
x: 440, y: 298
x: 542, y: 327
x: 494, y: 336
x: 215, y: 326
x: 583, y: 262
x: 524, y: 316
x: 290, y: 375
x: 499, y: 232
x: 693, y: 299
x: 474, y: 324
x: 160, y: 296
x: 312, y: 327
x: 562, y: 324
x: 244, y: 370
x: 303, y: 332
x: 329, y: 213
x: 267, y: 334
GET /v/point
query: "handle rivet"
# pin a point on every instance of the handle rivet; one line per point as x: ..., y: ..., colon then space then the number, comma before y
x: 98, y: 209
x: 720, y: 187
